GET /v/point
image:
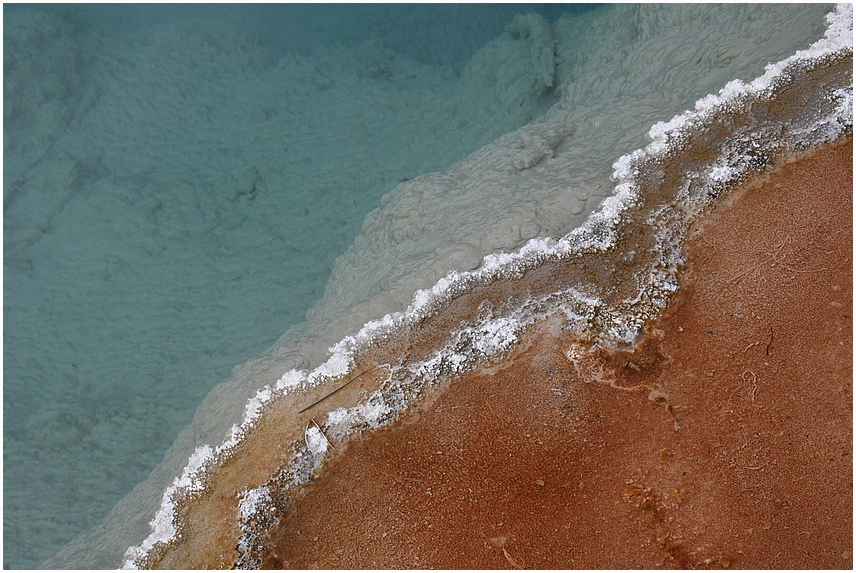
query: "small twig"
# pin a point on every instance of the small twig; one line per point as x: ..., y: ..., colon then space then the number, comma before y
x: 755, y: 467
x: 508, y: 557
x: 333, y: 392
x: 320, y: 429
x: 733, y: 391
x: 358, y: 376
x: 754, y: 386
x: 767, y: 350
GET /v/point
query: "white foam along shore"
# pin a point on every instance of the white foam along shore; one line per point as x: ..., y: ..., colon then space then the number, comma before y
x: 748, y: 147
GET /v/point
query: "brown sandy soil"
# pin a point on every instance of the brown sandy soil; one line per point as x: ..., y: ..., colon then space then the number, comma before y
x: 733, y: 449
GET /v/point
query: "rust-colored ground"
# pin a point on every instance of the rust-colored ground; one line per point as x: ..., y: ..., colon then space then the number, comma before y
x: 740, y: 457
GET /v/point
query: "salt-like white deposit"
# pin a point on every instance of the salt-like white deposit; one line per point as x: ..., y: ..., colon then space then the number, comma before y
x: 540, y: 181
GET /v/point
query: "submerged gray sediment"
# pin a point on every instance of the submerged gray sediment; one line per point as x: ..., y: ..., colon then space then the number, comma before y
x: 606, y: 280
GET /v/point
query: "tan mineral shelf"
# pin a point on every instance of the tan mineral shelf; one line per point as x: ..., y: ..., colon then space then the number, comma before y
x: 724, y: 440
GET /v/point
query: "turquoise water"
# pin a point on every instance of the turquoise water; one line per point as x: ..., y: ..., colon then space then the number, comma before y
x: 178, y: 182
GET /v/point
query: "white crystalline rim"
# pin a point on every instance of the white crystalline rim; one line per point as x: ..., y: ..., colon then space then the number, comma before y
x: 838, y: 37
x: 163, y: 525
x: 252, y: 500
